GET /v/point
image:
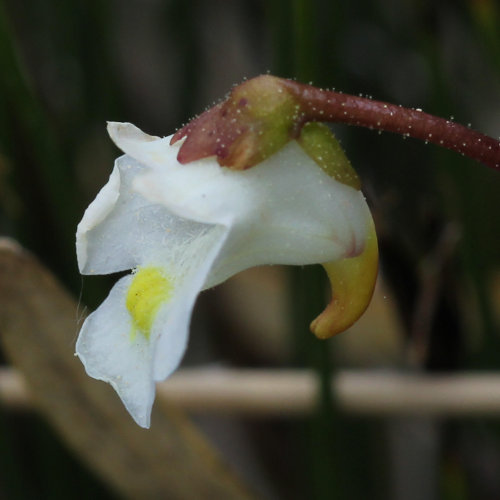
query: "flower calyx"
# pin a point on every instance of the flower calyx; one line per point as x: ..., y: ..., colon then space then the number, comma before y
x: 319, y: 143
x: 258, y: 118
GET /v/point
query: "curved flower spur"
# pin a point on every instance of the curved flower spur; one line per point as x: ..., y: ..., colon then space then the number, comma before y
x: 186, y: 212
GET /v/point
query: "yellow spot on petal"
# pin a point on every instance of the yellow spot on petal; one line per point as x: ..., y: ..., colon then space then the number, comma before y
x: 149, y: 289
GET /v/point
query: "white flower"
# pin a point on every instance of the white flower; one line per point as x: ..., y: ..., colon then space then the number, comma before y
x: 185, y: 228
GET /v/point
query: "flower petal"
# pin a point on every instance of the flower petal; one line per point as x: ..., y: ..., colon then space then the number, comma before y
x: 285, y: 210
x: 121, y: 229
x: 108, y: 353
x: 96, y: 212
x: 146, y: 149
x: 189, y: 264
x: 109, y: 344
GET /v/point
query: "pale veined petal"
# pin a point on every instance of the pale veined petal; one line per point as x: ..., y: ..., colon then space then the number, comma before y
x: 290, y: 211
x: 189, y: 264
x: 285, y: 210
x: 121, y: 229
x: 110, y: 352
x: 139, y: 333
x: 96, y: 212
x: 180, y: 180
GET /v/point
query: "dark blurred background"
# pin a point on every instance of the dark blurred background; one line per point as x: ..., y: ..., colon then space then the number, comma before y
x: 67, y: 67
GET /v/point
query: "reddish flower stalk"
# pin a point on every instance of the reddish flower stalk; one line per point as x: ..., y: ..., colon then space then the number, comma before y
x: 260, y: 115
x: 325, y: 105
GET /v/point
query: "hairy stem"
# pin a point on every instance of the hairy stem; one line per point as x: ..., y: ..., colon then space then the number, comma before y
x: 325, y: 105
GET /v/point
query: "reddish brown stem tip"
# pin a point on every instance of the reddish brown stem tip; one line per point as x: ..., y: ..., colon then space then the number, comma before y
x: 260, y: 115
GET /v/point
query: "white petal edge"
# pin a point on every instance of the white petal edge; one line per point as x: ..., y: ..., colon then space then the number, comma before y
x: 96, y: 212
x: 127, y: 133
x: 147, y: 149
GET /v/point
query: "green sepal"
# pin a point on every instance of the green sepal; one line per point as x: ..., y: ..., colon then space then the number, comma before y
x: 320, y: 144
